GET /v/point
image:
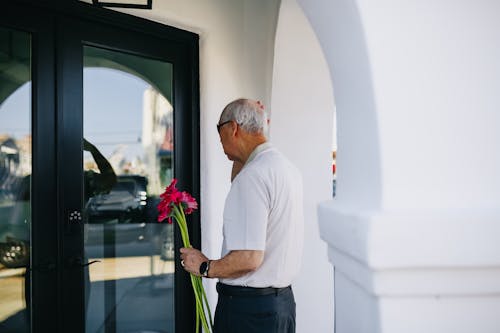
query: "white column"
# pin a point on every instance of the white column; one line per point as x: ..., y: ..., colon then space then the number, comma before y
x: 414, y: 233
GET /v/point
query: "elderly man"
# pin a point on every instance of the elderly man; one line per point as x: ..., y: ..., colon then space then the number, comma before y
x: 262, y: 229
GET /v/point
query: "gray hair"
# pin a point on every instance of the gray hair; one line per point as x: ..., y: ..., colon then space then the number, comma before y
x: 248, y: 114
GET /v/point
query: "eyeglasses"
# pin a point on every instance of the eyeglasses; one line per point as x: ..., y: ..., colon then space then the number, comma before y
x: 222, y: 124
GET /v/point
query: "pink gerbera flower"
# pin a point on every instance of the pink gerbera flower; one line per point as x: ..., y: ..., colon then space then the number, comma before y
x: 172, y: 196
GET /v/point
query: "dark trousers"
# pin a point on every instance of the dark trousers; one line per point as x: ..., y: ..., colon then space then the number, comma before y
x: 254, y: 310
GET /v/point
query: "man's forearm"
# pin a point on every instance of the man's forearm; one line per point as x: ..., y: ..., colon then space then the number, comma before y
x: 233, y: 265
x: 236, y: 264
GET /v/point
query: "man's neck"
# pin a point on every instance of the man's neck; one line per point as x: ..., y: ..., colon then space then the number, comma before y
x: 249, y: 146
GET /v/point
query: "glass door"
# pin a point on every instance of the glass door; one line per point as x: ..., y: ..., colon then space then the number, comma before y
x: 28, y: 214
x: 98, y: 111
x: 127, y: 128
x: 15, y: 179
x: 128, y: 149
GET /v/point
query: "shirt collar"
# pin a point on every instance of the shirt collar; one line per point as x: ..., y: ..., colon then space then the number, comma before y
x: 260, y: 148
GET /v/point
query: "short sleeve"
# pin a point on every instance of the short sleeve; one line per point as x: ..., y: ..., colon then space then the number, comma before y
x: 246, y: 213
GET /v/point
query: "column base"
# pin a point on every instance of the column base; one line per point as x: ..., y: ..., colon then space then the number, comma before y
x: 413, y: 272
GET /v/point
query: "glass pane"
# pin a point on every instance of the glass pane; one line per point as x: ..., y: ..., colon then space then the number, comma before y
x: 15, y: 170
x: 128, y: 143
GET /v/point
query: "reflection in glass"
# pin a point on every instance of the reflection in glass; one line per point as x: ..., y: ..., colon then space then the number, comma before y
x: 128, y: 143
x: 15, y: 170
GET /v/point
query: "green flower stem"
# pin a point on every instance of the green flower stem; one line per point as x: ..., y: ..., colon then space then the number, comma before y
x: 197, y: 311
x: 196, y: 281
x: 205, y: 299
x: 204, y: 305
x: 181, y: 221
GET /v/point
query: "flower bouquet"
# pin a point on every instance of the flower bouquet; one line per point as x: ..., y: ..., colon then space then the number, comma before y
x: 177, y: 205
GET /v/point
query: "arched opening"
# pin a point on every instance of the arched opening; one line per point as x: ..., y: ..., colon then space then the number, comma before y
x: 302, y: 126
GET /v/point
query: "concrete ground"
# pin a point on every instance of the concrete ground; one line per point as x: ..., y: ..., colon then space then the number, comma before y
x: 127, y: 294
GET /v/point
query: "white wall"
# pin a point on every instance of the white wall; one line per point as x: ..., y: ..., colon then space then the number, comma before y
x: 237, y: 41
x: 235, y: 61
x: 434, y: 67
x: 414, y: 233
x: 424, y: 73
x: 302, y: 111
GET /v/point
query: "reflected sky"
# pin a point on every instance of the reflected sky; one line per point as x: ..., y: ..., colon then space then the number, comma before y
x: 15, y: 113
x: 114, y: 98
x: 119, y: 105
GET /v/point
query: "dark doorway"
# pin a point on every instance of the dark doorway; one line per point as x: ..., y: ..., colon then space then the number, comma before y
x: 98, y: 112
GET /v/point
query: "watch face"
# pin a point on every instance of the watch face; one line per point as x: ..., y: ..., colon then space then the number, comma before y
x: 203, y: 268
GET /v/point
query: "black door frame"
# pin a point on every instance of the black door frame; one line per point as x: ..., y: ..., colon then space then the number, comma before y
x: 59, y: 30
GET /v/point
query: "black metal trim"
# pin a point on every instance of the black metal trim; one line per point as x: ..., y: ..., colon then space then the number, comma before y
x: 87, y: 11
x: 148, y: 5
x: 69, y: 94
x: 44, y: 294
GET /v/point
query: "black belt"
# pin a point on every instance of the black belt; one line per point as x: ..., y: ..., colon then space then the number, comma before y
x: 227, y: 290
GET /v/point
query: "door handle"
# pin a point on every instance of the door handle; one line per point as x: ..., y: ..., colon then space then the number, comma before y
x: 77, y: 262
x: 74, y: 217
x: 73, y: 221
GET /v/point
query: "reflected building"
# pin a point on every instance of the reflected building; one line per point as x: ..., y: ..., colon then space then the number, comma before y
x: 15, y: 159
x: 9, y: 161
x: 24, y: 145
x: 157, y: 139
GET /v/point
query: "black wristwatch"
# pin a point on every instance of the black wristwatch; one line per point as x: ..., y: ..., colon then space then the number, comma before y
x: 204, y: 267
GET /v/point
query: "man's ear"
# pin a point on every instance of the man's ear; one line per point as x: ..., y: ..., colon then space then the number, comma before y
x: 236, y: 131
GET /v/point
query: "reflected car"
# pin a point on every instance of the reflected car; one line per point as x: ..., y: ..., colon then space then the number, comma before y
x: 126, y: 201
x: 14, y: 223
x: 123, y: 222
x: 123, y: 219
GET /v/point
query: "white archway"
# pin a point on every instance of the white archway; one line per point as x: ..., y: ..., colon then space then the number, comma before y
x: 302, y: 112
x: 415, y: 85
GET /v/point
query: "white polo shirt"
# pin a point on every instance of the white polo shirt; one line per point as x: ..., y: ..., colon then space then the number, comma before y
x: 264, y: 211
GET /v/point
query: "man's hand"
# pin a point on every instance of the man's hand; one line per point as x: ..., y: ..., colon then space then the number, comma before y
x: 191, y: 260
